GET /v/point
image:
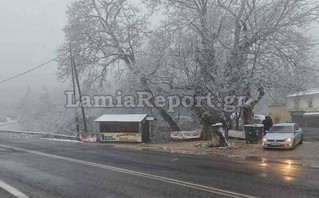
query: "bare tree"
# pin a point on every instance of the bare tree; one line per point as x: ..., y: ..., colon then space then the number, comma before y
x: 235, y: 48
x: 107, y: 35
x: 232, y: 50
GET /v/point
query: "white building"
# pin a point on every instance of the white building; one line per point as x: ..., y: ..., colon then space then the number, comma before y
x: 304, y: 107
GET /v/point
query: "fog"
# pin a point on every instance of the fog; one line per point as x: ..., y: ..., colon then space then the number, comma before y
x: 31, y: 32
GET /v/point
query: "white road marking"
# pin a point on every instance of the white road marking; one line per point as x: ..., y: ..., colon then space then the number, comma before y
x: 13, y: 191
x: 136, y: 173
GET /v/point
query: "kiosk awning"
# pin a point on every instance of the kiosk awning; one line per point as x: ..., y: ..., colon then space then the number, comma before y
x: 311, y: 114
x: 121, y: 118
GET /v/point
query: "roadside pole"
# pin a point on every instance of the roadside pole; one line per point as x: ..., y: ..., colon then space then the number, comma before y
x: 79, y: 89
x: 74, y: 92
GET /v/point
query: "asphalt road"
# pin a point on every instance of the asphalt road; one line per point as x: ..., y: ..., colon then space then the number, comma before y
x: 44, y: 168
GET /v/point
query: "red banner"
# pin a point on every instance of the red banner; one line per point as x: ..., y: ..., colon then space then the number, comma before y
x: 89, y: 137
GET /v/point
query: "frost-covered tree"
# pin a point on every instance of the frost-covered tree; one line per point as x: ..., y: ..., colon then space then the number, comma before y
x: 225, y: 48
x: 107, y: 36
x: 44, y: 113
x: 236, y: 48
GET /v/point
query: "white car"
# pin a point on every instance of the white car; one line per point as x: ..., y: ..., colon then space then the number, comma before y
x: 285, y: 135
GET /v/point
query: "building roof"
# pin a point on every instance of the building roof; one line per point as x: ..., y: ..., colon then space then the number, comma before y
x: 285, y: 124
x: 311, y: 114
x: 305, y: 93
x: 121, y: 118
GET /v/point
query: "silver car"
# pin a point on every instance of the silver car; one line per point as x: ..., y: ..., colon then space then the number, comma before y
x: 286, y: 135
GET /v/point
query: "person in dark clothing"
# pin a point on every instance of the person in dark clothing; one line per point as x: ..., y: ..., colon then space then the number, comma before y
x: 267, y: 124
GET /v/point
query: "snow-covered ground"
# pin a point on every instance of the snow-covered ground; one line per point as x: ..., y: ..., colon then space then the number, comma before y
x: 61, y: 140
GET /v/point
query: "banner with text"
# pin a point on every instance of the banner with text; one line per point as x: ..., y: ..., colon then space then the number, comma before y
x: 121, y: 137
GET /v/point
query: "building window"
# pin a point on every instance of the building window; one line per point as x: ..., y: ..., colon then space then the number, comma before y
x: 310, y: 105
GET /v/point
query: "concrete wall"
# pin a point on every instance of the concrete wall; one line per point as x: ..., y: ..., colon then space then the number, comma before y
x: 279, y: 113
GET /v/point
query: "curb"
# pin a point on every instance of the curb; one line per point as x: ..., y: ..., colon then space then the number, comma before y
x: 153, y: 149
x: 264, y: 160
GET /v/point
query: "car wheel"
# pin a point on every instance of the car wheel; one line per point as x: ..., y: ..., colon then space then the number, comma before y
x: 301, y: 140
x: 294, y: 145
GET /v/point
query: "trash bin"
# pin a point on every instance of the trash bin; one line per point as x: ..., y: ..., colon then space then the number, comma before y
x: 254, y: 133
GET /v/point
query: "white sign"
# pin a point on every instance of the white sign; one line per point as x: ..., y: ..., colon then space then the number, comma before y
x: 181, y: 135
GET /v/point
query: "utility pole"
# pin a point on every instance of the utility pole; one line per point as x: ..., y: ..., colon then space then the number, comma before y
x: 79, y: 91
x: 74, y: 92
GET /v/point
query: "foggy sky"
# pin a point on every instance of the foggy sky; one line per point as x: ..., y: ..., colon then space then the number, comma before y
x: 31, y: 32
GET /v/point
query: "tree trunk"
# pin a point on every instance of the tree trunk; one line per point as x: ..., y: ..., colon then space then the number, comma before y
x: 219, y: 138
x: 206, y: 130
x: 171, y: 122
x: 237, y: 122
x: 167, y: 117
x: 247, y: 115
x: 248, y: 109
x: 226, y: 134
x: 222, y: 139
x: 237, y: 119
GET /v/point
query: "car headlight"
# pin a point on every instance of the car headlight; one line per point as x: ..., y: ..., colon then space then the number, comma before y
x: 288, y: 140
x: 265, y: 140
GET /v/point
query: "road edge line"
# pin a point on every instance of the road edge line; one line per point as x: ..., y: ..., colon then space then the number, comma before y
x: 12, y: 190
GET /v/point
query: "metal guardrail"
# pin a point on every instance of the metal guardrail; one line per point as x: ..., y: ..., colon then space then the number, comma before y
x: 2, y: 124
x: 46, y: 135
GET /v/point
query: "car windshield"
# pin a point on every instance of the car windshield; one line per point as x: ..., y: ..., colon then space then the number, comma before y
x: 280, y: 129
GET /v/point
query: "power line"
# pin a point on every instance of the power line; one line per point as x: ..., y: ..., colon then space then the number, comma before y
x: 28, y: 71
x: 54, y: 59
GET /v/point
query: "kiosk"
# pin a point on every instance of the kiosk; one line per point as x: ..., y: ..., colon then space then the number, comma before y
x: 124, y: 127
